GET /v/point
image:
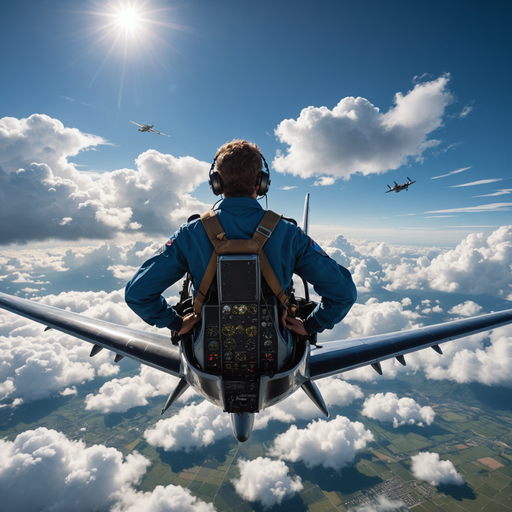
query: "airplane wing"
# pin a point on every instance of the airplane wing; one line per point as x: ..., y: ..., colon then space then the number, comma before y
x: 153, y: 349
x: 159, y: 133
x: 136, y: 123
x: 340, y: 356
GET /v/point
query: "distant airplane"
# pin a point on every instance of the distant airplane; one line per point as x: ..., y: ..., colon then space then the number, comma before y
x: 148, y: 128
x: 397, y: 188
x: 237, y: 369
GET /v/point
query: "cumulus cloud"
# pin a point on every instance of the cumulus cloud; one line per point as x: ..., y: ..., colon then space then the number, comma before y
x: 336, y: 392
x: 355, y: 137
x: 194, y: 426
x: 468, y: 308
x: 153, y: 199
x: 266, y: 480
x: 172, y: 498
x: 476, y: 360
x: 390, y: 409
x: 477, y: 265
x: 373, y: 317
x: 428, y: 466
x: 40, y: 139
x: 331, y: 444
x: 119, y: 395
x: 381, y: 504
x: 43, y: 470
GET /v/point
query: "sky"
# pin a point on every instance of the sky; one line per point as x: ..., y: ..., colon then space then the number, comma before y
x: 343, y: 98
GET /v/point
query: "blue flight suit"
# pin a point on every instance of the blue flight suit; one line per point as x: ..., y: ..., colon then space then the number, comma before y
x: 288, y: 251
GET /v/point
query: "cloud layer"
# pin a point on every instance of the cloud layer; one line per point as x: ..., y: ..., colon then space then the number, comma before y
x: 355, y: 137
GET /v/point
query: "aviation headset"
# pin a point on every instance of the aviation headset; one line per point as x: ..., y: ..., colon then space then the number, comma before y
x: 215, y: 179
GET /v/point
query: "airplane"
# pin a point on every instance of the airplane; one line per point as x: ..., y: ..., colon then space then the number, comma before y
x: 397, y: 188
x: 204, y: 363
x: 148, y: 128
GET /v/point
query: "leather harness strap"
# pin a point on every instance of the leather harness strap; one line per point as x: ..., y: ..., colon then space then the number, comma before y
x: 221, y: 245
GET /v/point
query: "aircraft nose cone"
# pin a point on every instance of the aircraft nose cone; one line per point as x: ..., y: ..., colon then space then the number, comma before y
x: 242, y: 425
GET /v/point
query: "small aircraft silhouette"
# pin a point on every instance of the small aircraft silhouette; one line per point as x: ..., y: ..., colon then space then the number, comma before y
x: 397, y: 188
x: 148, y: 128
x: 206, y: 367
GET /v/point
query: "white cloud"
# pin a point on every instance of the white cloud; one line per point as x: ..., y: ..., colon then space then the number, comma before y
x: 465, y: 111
x: 477, y: 265
x: 499, y: 192
x: 119, y: 395
x: 172, y: 498
x: 43, y: 470
x: 194, y: 426
x: 451, y: 173
x: 40, y: 139
x: 389, y: 408
x: 335, y: 392
x: 154, y: 199
x: 493, y: 207
x: 381, y: 504
x: 371, y: 318
x: 355, y: 137
x: 332, y: 444
x: 468, y: 308
x: 474, y: 183
x: 428, y: 466
x: 266, y: 480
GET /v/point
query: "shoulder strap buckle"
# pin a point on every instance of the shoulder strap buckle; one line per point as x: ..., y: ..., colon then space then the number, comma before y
x: 264, y: 231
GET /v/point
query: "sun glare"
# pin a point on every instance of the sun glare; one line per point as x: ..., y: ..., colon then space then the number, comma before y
x: 128, y: 19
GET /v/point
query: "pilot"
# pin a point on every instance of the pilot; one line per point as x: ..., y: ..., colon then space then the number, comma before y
x: 288, y: 250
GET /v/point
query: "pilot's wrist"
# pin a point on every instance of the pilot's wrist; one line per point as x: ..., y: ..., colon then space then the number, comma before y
x: 176, y: 324
x: 311, y: 325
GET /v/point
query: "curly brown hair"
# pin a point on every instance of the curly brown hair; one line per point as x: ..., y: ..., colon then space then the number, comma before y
x: 239, y: 165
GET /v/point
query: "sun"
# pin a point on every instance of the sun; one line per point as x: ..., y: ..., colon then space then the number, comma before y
x: 128, y: 18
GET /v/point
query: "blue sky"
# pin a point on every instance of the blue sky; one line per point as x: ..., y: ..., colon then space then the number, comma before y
x: 206, y: 72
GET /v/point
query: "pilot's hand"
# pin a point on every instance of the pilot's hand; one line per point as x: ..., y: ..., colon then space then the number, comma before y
x: 188, y: 322
x: 295, y: 325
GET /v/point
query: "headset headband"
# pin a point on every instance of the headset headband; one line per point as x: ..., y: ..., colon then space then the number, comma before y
x: 215, y: 179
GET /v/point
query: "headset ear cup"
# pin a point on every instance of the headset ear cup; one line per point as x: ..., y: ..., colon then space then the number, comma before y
x: 216, y: 183
x: 264, y: 183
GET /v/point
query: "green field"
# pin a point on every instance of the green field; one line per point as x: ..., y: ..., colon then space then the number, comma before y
x: 463, y: 432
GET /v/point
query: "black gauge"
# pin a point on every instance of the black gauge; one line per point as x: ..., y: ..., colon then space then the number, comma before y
x: 240, y: 329
x: 267, y: 344
x: 251, y: 331
x: 242, y: 309
x: 240, y: 357
x: 250, y: 345
x: 212, y: 330
x: 229, y: 344
x: 228, y: 356
x: 226, y: 310
x: 213, y: 345
x: 267, y: 333
x: 252, y: 309
x: 228, y: 330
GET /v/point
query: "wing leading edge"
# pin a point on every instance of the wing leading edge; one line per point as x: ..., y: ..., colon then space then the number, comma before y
x: 340, y: 356
x: 151, y: 349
